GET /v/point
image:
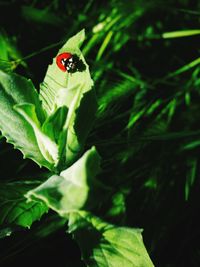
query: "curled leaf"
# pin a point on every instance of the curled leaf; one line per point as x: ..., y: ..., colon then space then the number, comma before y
x: 72, y: 90
x: 48, y: 147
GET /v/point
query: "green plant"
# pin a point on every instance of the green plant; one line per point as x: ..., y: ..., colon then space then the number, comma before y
x: 51, y: 128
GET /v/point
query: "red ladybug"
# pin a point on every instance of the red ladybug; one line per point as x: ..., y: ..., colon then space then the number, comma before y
x: 70, y: 63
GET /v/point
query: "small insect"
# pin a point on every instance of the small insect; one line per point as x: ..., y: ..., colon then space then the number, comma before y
x: 70, y: 63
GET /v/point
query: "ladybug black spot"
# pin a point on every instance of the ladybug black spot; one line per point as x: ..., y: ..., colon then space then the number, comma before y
x: 74, y: 64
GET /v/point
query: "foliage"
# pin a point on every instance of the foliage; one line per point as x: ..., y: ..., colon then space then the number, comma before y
x: 144, y: 62
x: 54, y: 127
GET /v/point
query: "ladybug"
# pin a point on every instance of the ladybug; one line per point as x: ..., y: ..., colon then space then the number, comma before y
x: 70, y: 63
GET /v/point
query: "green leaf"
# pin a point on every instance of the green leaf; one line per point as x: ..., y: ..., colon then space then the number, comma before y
x: 71, y: 90
x: 117, y: 208
x: 48, y: 147
x: 185, y: 68
x: 61, y: 88
x: 21, y: 90
x: 53, y: 125
x: 14, y: 208
x: 178, y: 34
x: 109, y: 245
x: 69, y: 191
x: 14, y: 90
x: 83, y: 122
x: 54, y: 128
x: 5, y: 64
x: 191, y: 175
x: 191, y: 145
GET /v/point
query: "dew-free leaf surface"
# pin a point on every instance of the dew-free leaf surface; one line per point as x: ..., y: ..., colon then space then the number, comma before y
x: 106, y: 245
x: 14, y: 208
x: 73, y: 90
x: 70, y: 190
x: 17, y: 90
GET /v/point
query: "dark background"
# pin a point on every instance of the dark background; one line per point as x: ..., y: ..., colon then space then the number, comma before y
x: 148, y: 157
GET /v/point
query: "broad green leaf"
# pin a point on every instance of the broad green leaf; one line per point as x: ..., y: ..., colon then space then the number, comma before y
x: 61, y: 88
x: 14, y: 90
x: 21, y: 90
x: 48, y: 147
x: 69, y: 191
x: 14, y: 208
x: 106, y: 245
x: 71, y: 90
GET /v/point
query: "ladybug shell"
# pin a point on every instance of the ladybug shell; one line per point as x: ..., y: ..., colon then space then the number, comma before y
x: 60, y: 58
